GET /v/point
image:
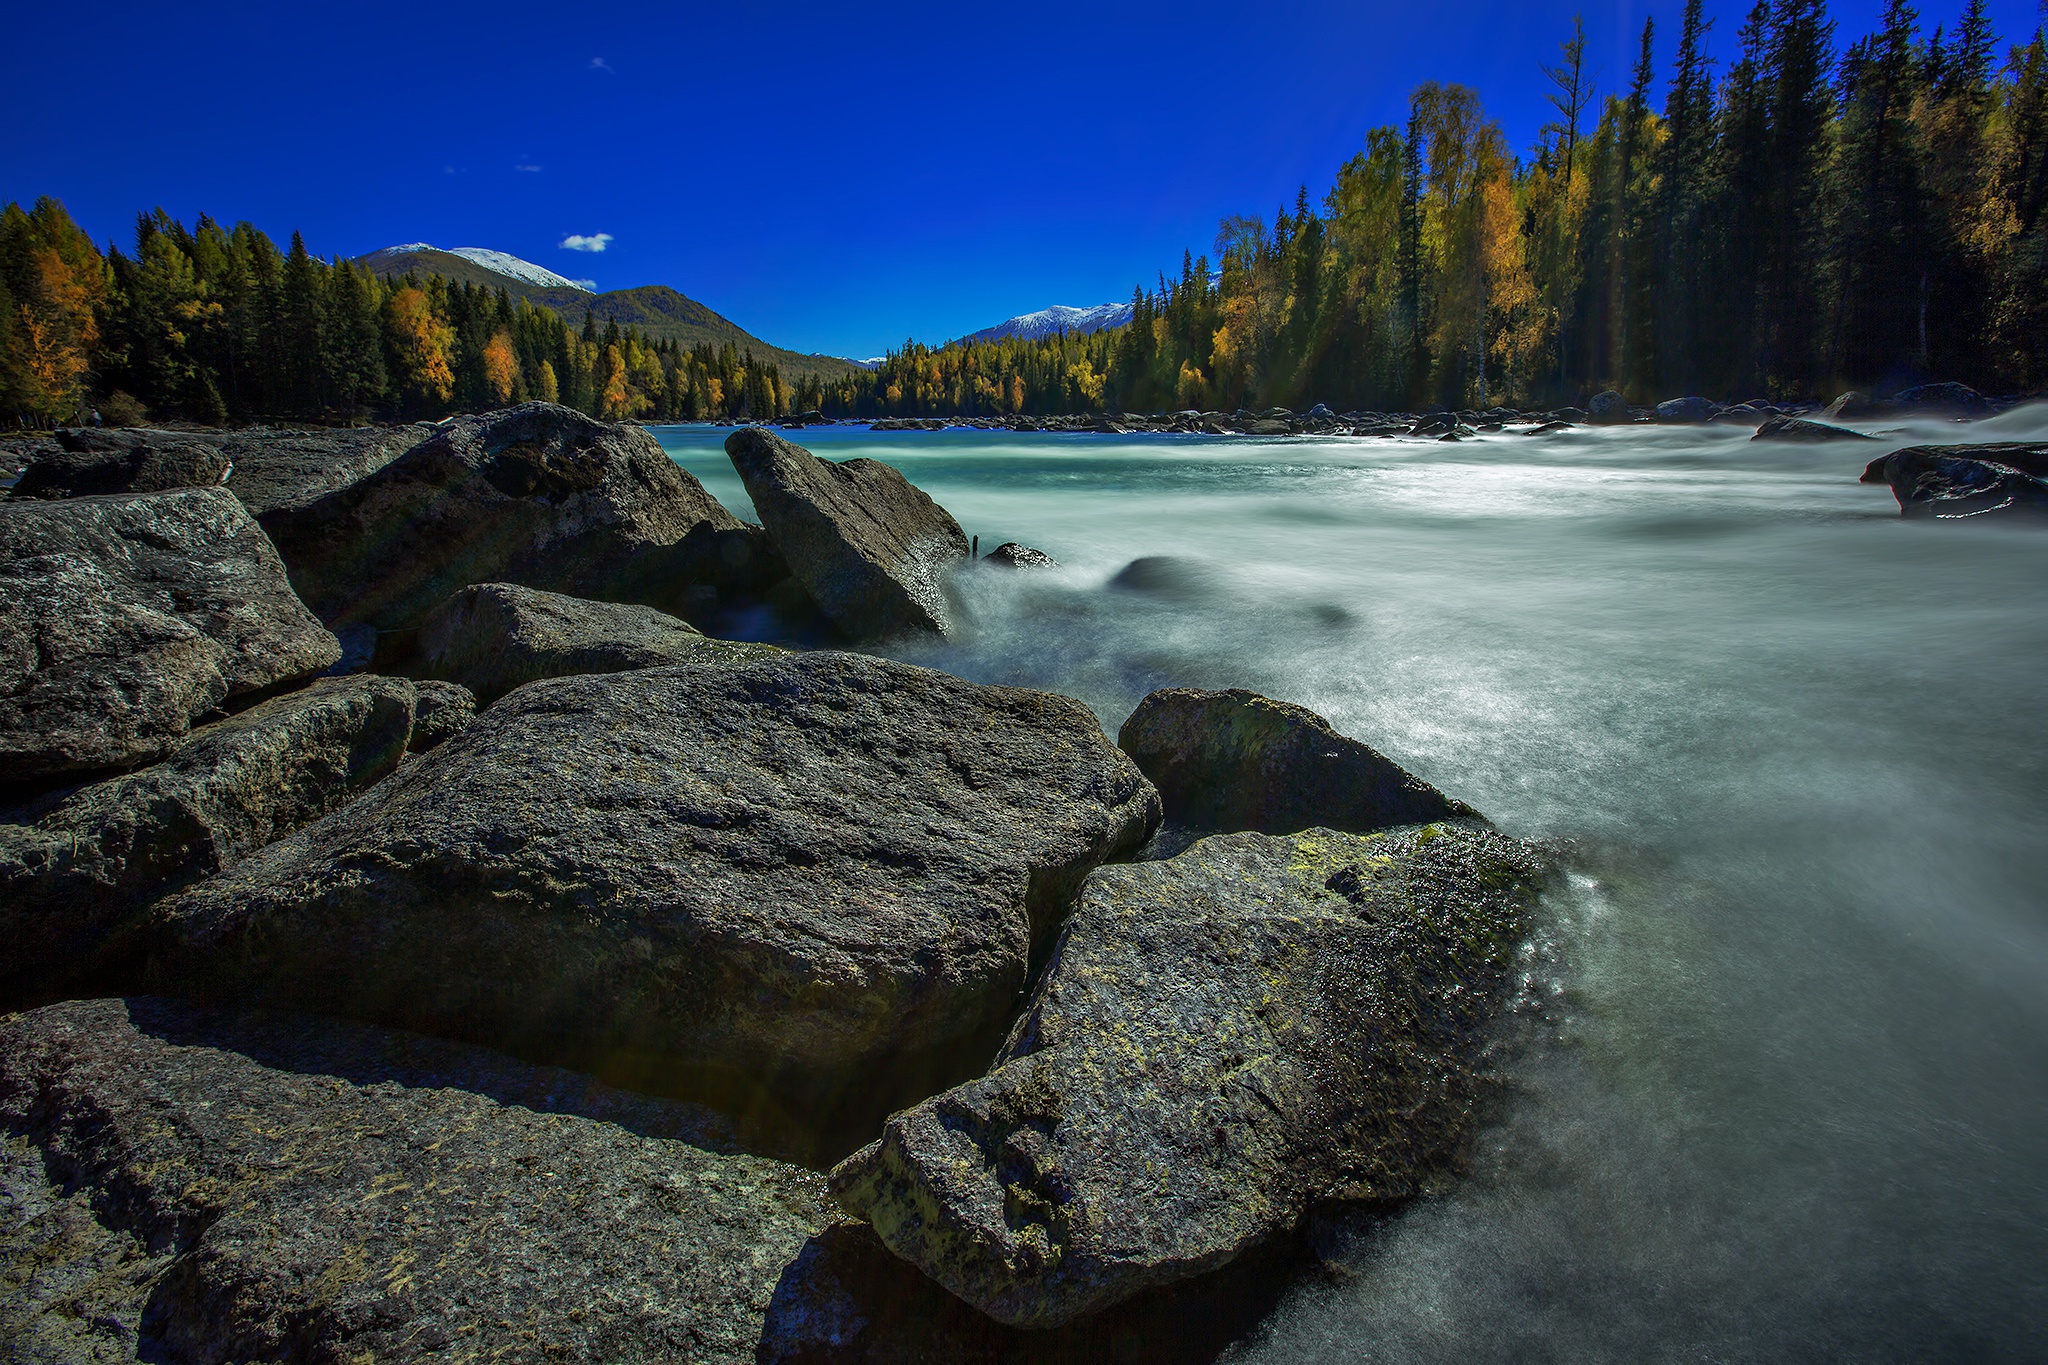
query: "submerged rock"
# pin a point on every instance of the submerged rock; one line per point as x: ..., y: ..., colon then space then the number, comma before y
x: 1220, y: 1042
x: 870, y: 548
x: 812, y: 862
x: 443, y: 711
x: 1011, y: 555
x: 1238, y: 761
x: 132, y: 460
x: 1964, y: 480
x: 123, y: 618
x: 184, y: 1184
x: 1957, y: 400
x: 76, y: 872
x: 1802, y: 431
x: 492, y: 637
x: 534, y: 494
x: 1687, y: 410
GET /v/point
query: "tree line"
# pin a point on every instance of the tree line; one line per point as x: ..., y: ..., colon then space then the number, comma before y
x: 1803, y: 222
x: 218, y: 325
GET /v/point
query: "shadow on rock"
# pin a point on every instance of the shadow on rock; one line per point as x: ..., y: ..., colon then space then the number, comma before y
x: 845, y: 1298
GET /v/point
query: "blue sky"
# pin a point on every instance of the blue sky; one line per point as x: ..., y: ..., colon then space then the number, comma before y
x: 832, y: 178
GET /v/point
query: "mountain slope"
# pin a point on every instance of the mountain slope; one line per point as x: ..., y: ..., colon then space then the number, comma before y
x: 1058, y: 318
x: 657, y: 310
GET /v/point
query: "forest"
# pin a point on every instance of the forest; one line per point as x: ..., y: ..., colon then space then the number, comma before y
x: 1806, y: 221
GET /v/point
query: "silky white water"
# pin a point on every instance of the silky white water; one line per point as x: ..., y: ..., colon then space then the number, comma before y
x: 1798, y: 1103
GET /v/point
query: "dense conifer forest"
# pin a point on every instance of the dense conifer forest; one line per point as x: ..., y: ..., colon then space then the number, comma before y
x: 1800, y: 219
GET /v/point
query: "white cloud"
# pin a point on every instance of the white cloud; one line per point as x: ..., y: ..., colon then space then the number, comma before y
x: 591, y: 285
x: 523, y: 166
x: 600, y: 64
x: 596, y: 241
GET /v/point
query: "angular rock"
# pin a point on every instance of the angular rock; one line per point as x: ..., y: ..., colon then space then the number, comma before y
x: 443, y: 711
x: 184, y: 1184
x: 1220, y: 1042
x: 1851, y: 407
x: 809, y: 862
x: 1964, y: 480
x: 77, y: 869
x: 491, y: 637
x: 123, y: 618
x: 1235, y: 760
x: 94, y: 462
x: 870, y: 548
x: 1011, y: 555
x: 1687, y: 410
x: 534, y: 494
x: 276, y: 471
x: 1607, y: 408
x: 1800, y: 431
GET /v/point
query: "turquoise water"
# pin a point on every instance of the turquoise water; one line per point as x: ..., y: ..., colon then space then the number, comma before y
x: 1797, y: 1104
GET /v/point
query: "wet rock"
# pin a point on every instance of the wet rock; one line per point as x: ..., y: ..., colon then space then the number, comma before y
x: 1238, y: 761
x: 1268, y: 426
x: 810, y: 862
x: 135, y: 460
x: 492, y: 637
x: 1011, y: 555
x: 123, y: 618
x: 1685, y: 411
x: 1170, y: 577
x: 185, y: 1184
x: 534, y: 494
x: 1607, y: 408
x: 1801, y: 431
x: 870, y: 549
x: 1220, y: 1042
x: 1955, y: 400
x: 1547, y: 428
x: 443, y: 711
x: 280, y: 471
x: 77, y: 869
x: 1964, y: 480
x: 1852, y: 407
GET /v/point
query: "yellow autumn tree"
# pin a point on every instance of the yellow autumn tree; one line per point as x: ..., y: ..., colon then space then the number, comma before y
x: 53, y: 288
x: 422, y: 342
x: 501, y: 366
x: 550, y: 387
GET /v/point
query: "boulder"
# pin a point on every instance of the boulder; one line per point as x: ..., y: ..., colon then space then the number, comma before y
x: 1685, y: 411
x: 187, y: 1184
x: 1954, y: 400
x: 77, y: 869
x: 1607, y: 408
x: 1011, y: 555
x: 870, y: 548
x: 534, y: 494
x: 1221, y: 1041
x: 443, y: 711
x: 123, y: 618
x: 281, y: 471
x: 492, y: 637
x: 1851, y: 407
x: 1268, y: 426
x: 803, y: 864
x: 92, y: 461
x: 1800, y: 431
x: 1964, y: 480
x: 1238, y: 761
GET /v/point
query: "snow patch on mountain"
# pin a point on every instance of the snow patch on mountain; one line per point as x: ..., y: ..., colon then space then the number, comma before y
x: 505, y: 263
x: 1058, y: 318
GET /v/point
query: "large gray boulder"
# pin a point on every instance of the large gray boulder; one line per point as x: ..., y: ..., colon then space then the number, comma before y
x: 869, y: 547
x: 1221, y: 1042
x: 1686, y: 411
x: 535, y: 494
x: 1801, y: 431
x: 188, y: 1185
x: 1948, y: 399
x: 492, y: 637
x: 1607, y: 408
x: 123, y: 618
x: 1235, y: 760
x: 131, y: 460
x: 77, y: 869
x: 1947, y: 482
x: 809, y: 863
x: 278, y: 471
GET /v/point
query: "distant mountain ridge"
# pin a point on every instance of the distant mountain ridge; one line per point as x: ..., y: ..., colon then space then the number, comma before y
x: 656, y: 309
x: 1058, y: 318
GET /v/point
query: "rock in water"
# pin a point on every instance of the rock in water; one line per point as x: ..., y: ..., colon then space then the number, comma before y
x: 1965, y: 480
x: 1238, y: 761
x: 1011, y: 555
x: 1688, y: 410
x: 1951, y: 399
x: 869, y: 547
x: 76, y: 872
x: 491, y: 637
x: 123, y: 618
x: 1607, y: 408
x: 1798, y: 429
x: 444, y: 710
x: 812, y: 861
x: 535, y: 494
x: 191, y: 1185
x: 124, y: 461
x: 1220, y: 1042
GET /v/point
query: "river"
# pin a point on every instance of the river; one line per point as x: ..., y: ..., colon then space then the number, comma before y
x: 1794, y: 1100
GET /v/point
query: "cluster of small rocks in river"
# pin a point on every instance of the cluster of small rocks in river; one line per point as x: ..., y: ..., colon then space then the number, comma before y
x: 427, y: 940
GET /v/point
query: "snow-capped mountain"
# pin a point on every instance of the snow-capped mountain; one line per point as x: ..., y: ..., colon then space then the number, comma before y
x: 502, y: 262
x: 1058, y: 318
